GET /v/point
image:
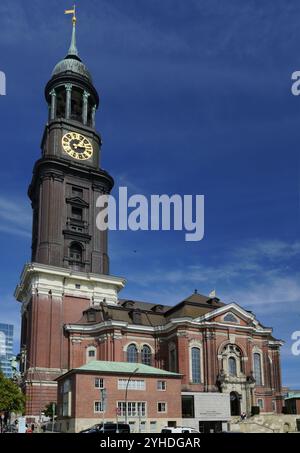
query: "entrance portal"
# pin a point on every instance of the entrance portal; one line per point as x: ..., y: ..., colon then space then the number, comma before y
x: 235, y: 406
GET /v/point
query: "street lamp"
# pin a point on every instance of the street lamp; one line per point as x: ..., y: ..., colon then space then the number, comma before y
x: 126, y: 408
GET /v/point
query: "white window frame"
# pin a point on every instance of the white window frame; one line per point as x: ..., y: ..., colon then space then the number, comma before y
x: 196, y: 344
x: 130, y: 405
x: 256, y: 350
x: 160, y: 381
x: 166, y: 407
x: 101, y: 380
x: 133, y: 384
x: 100, y: 405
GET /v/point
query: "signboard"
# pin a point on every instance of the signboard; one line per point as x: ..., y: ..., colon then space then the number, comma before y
x: 21, y: 425
x: 211, y: 406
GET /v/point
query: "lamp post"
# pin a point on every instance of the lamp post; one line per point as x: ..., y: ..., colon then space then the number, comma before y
x: 128, y: 380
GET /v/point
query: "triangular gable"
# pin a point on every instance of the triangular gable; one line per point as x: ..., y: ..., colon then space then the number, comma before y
x: 238, y: 312
x: 77, y: 201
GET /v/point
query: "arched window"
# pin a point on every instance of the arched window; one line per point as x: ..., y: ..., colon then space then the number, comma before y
x: 232, y: 366
x: 146, y: 355
x: 76, y: 256
x: 257, y: 368
x: 90, y: 354
x: 60, y: 102
x: 132, y: 353
x: 196, y: 366
x: 76, y: 104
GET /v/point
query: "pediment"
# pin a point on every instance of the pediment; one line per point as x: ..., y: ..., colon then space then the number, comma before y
x: 231, y: 314
x: 76, y: 201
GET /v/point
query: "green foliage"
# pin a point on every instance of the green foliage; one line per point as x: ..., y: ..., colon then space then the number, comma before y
x: 11, y: 397
x: 48, y: 411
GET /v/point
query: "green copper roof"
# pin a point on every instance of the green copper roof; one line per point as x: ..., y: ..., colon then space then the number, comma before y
x: 292, y: 395
x: 72, y: 62
x: 124, y: 367
x: 73, y: 48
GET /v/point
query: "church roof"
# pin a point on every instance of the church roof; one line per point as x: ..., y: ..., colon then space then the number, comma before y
x: 150, y: 314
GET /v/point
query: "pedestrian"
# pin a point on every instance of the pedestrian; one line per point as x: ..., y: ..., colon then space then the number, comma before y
x: 28, y: 429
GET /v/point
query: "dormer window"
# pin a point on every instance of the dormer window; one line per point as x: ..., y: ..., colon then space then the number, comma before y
x: 136, y: 316
x: 157, y: 308
x: 91, y: 316
x: 128, y: 304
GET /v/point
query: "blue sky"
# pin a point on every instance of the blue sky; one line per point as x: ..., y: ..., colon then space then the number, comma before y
x: 195, y: 99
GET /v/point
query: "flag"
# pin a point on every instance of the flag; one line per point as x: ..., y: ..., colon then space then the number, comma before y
x: 212, y: 293
x: 70, y: 11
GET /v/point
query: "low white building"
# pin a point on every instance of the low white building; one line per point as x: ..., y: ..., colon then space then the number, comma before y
x: 207, y: 412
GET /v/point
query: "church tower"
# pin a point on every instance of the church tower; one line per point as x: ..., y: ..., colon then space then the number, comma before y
x: 69, y: 270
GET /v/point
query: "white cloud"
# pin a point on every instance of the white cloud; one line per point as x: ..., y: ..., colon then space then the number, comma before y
x: 257, y: 276
x: 15, y: 217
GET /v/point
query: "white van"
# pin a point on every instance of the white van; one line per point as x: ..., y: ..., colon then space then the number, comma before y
x: 178, y: 429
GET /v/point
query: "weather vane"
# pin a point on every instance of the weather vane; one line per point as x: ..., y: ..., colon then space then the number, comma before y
x: 72, y: 11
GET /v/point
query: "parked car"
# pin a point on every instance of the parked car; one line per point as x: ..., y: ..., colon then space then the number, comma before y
x: 108, y: 428
x: 178, y: 429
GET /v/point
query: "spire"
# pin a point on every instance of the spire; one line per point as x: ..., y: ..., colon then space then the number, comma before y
x: 73, y: 52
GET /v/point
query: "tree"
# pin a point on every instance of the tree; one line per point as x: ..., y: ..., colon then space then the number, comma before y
x: 11, y: 397
x: 48, y: 411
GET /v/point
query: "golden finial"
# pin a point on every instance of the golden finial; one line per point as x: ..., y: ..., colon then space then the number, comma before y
x: 72, y: 11
x: 73, y: 48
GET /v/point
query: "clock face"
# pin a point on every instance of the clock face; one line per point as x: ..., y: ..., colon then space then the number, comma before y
x: 77, y: 146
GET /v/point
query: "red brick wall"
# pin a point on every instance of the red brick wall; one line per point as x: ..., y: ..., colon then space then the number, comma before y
x: 86, y: 394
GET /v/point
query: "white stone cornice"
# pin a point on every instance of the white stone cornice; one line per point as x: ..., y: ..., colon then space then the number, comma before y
x: 58, y: 282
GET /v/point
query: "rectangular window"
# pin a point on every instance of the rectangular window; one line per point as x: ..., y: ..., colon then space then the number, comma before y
x: 92, y: 353
x: 76, y: 213
x: 66, y: 410
x: 161, y: 385
x: 91, y: 316
x: 188, y: 410
x: 98, y: 406
x: 161, y: 407
x: 273, y: 405
x: 260, y: 403
x: 77, y: 192
x: 257, y: 369
x: 134, y: 384
x: 99, y: 383
x: 134, y: 408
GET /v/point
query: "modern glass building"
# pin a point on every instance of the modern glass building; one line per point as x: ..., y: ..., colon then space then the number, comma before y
x: 6, y: 348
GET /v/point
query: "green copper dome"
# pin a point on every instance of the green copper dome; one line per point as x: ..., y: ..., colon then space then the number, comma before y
x: 72, y: 62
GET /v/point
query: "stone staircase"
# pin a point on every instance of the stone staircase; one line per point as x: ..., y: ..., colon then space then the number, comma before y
x: 265, y: 423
